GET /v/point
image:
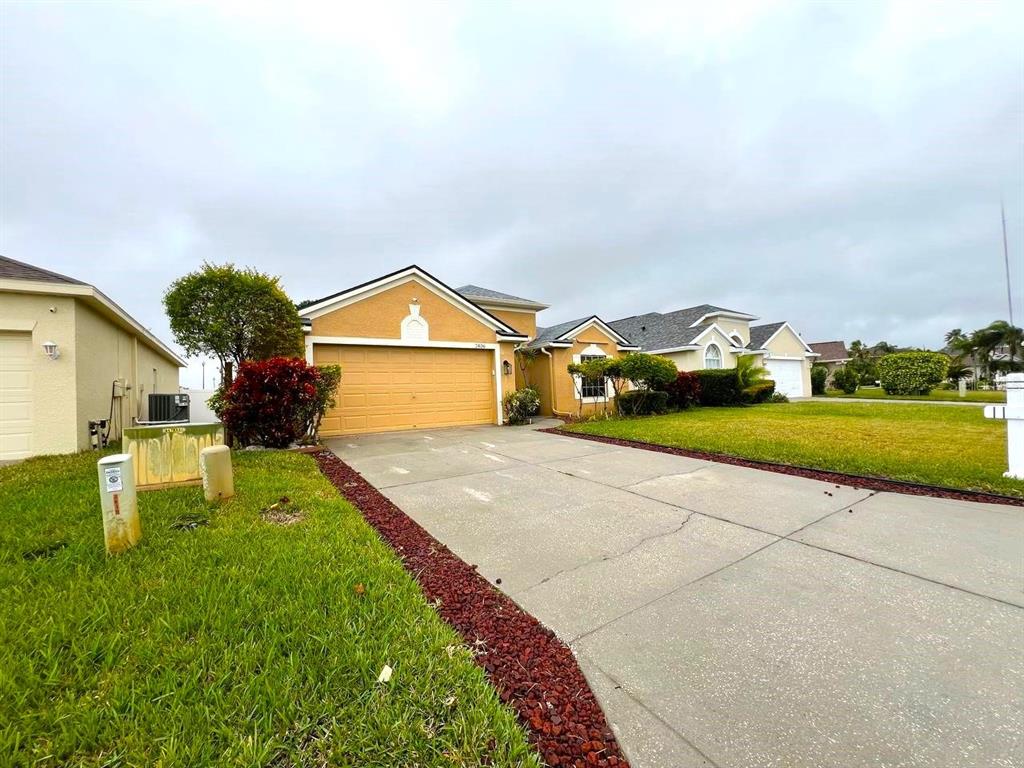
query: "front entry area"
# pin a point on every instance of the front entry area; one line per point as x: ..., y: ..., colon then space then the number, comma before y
x: 386, y: 388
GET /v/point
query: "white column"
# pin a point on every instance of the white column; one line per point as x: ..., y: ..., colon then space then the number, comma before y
x: 1015, y: 425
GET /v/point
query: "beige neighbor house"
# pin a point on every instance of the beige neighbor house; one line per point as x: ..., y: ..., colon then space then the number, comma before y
x: 707, y: 336
x: 832, y: 354
x: 69, y: 355
x: 416, y: 352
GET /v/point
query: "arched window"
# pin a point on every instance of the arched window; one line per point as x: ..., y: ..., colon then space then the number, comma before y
x: 712, y: 356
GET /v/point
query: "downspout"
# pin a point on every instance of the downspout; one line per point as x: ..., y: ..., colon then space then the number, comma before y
x: 554, y: 389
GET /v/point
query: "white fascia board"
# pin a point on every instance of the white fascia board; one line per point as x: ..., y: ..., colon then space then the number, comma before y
x: 95, y: 296
x: 627, y: 348
x: 791, y: 328
x: 512, y: 337
x: 522, y: 306
x: 733, y: 315
x: 709, y: 329
x: 669, y: 350
x: 398, y: 278
x: 594, y: 320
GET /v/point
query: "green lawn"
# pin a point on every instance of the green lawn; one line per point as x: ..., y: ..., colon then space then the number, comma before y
x: 940, y: 395
x: 954, y: 447
x: 241, y: 642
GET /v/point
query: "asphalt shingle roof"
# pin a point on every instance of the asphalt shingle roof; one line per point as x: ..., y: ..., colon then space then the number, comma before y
x: 552, y: 332
x: 830, y: 350
x: 657, y: 330
x: 476, y: 292
x: 18, y: 270
x: 759, y: 334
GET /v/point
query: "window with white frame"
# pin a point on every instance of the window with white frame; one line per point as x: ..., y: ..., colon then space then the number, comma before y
x: 712, y: 356
x: 592, y: 387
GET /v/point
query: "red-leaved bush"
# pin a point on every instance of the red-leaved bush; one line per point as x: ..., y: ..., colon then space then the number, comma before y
x: 684, y: 391
x: 268, y: 401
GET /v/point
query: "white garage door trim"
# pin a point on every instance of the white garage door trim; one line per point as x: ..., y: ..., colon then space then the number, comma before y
x: 788, y: 376
x: 364, y: 342
x: 16, y: 411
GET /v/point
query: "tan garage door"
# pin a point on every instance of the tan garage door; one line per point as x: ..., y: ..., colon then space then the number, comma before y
x: 15, y: 395
x: 389, y: 388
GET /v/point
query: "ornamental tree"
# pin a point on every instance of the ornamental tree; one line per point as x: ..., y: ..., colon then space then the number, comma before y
x: 233, y: 315
x: 912, y: 373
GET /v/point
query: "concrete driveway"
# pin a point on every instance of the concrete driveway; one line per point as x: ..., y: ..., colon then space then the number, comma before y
x: 731, y: 617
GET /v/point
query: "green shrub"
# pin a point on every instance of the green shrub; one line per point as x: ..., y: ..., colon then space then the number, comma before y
x: 819, y: 376
x: 647, y: 371
x: 758, y: 393
x: 718, y: 386
x: 684, y: 391
x: 912, y: 373
x: 642, y: 402
x: 846, y: 379
x: 778, y: 397
x: 521, y: 405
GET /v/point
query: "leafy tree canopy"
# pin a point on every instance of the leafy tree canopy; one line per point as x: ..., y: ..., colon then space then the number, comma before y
x: 233, y: 315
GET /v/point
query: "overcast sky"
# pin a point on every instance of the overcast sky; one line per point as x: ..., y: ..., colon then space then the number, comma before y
x: 837, y: 165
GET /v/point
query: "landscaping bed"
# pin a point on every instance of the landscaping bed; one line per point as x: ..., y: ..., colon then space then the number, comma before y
x: 252, y: 633
x: 909, y: 448
x: 532, y: 669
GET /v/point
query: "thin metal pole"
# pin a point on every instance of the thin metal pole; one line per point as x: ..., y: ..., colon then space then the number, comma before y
x: 1006, y: 261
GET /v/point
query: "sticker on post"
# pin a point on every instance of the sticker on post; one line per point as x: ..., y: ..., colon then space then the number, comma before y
x: 112, y: 475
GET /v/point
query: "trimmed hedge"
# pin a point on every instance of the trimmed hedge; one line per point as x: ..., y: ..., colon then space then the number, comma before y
x: 759, y: 393
x: 642, y: 402
x: 719, y: 386
x: 912, y: 373
x: 819, y: 378
x: 846, y: 379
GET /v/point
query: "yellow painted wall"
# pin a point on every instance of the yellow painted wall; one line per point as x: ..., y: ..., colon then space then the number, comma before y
x: 380, y: 316
x: 524, y: 321
x: 551, y: 376
x: 54, y: 404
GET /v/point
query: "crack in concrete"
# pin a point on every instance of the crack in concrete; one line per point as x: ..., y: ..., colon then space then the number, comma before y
x: 607, y: 557
x: 620, y: 686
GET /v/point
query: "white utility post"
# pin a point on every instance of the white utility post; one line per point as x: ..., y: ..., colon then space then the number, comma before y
x: 121, y: 527
x: 1013, y: 414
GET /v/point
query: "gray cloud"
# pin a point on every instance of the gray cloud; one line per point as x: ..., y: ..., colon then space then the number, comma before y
x: 839, y: 166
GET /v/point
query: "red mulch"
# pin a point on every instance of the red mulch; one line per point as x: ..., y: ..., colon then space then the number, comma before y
x: 841, y: 478
x: 532, y: 670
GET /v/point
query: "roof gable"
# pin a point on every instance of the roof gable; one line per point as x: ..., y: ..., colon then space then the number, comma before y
x: 564, y: 333
x: 364, y: 290
x: 830, y: 351
x: 760, y: 335
x: 477, y: 294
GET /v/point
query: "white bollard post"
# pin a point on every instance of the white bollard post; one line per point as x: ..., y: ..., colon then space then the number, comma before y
x: 1013, y: 413
x: 962, y: 387
x: 215, y: 468
x: 121, y: 526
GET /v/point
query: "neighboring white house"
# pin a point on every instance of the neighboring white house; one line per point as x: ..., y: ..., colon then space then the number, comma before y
x: 68, y: 355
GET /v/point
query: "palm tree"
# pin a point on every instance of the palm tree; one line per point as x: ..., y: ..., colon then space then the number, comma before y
x: 954, y: 337
x: 1001, y: 333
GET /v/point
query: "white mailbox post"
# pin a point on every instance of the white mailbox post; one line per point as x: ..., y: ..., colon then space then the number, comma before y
x: 1013, y: 413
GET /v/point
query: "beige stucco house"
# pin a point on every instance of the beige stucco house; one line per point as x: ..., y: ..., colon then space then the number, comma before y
x: 68, y: 355
x: 706, y: 336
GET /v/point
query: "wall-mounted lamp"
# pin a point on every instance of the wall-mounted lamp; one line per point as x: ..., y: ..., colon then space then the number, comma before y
x: 50, y: 349
x: 506, y: 366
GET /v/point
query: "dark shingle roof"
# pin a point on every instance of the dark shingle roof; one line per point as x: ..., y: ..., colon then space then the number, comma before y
x: 667, y: 330
x: 830, y: 350
x: 759, y: 334
x: 18, y: 270
x: 552, y: 332
x: 475, y: 292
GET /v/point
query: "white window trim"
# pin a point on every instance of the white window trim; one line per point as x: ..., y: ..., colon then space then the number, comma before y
x: 721, y: 357
x: 592, y: 351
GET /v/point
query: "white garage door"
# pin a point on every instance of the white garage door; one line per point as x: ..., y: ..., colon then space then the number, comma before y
x: 788, y: 376
x: 15, y: 395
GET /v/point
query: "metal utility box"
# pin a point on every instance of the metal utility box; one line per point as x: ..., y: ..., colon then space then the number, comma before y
x: 168, y: 408
x: 166, y: 455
